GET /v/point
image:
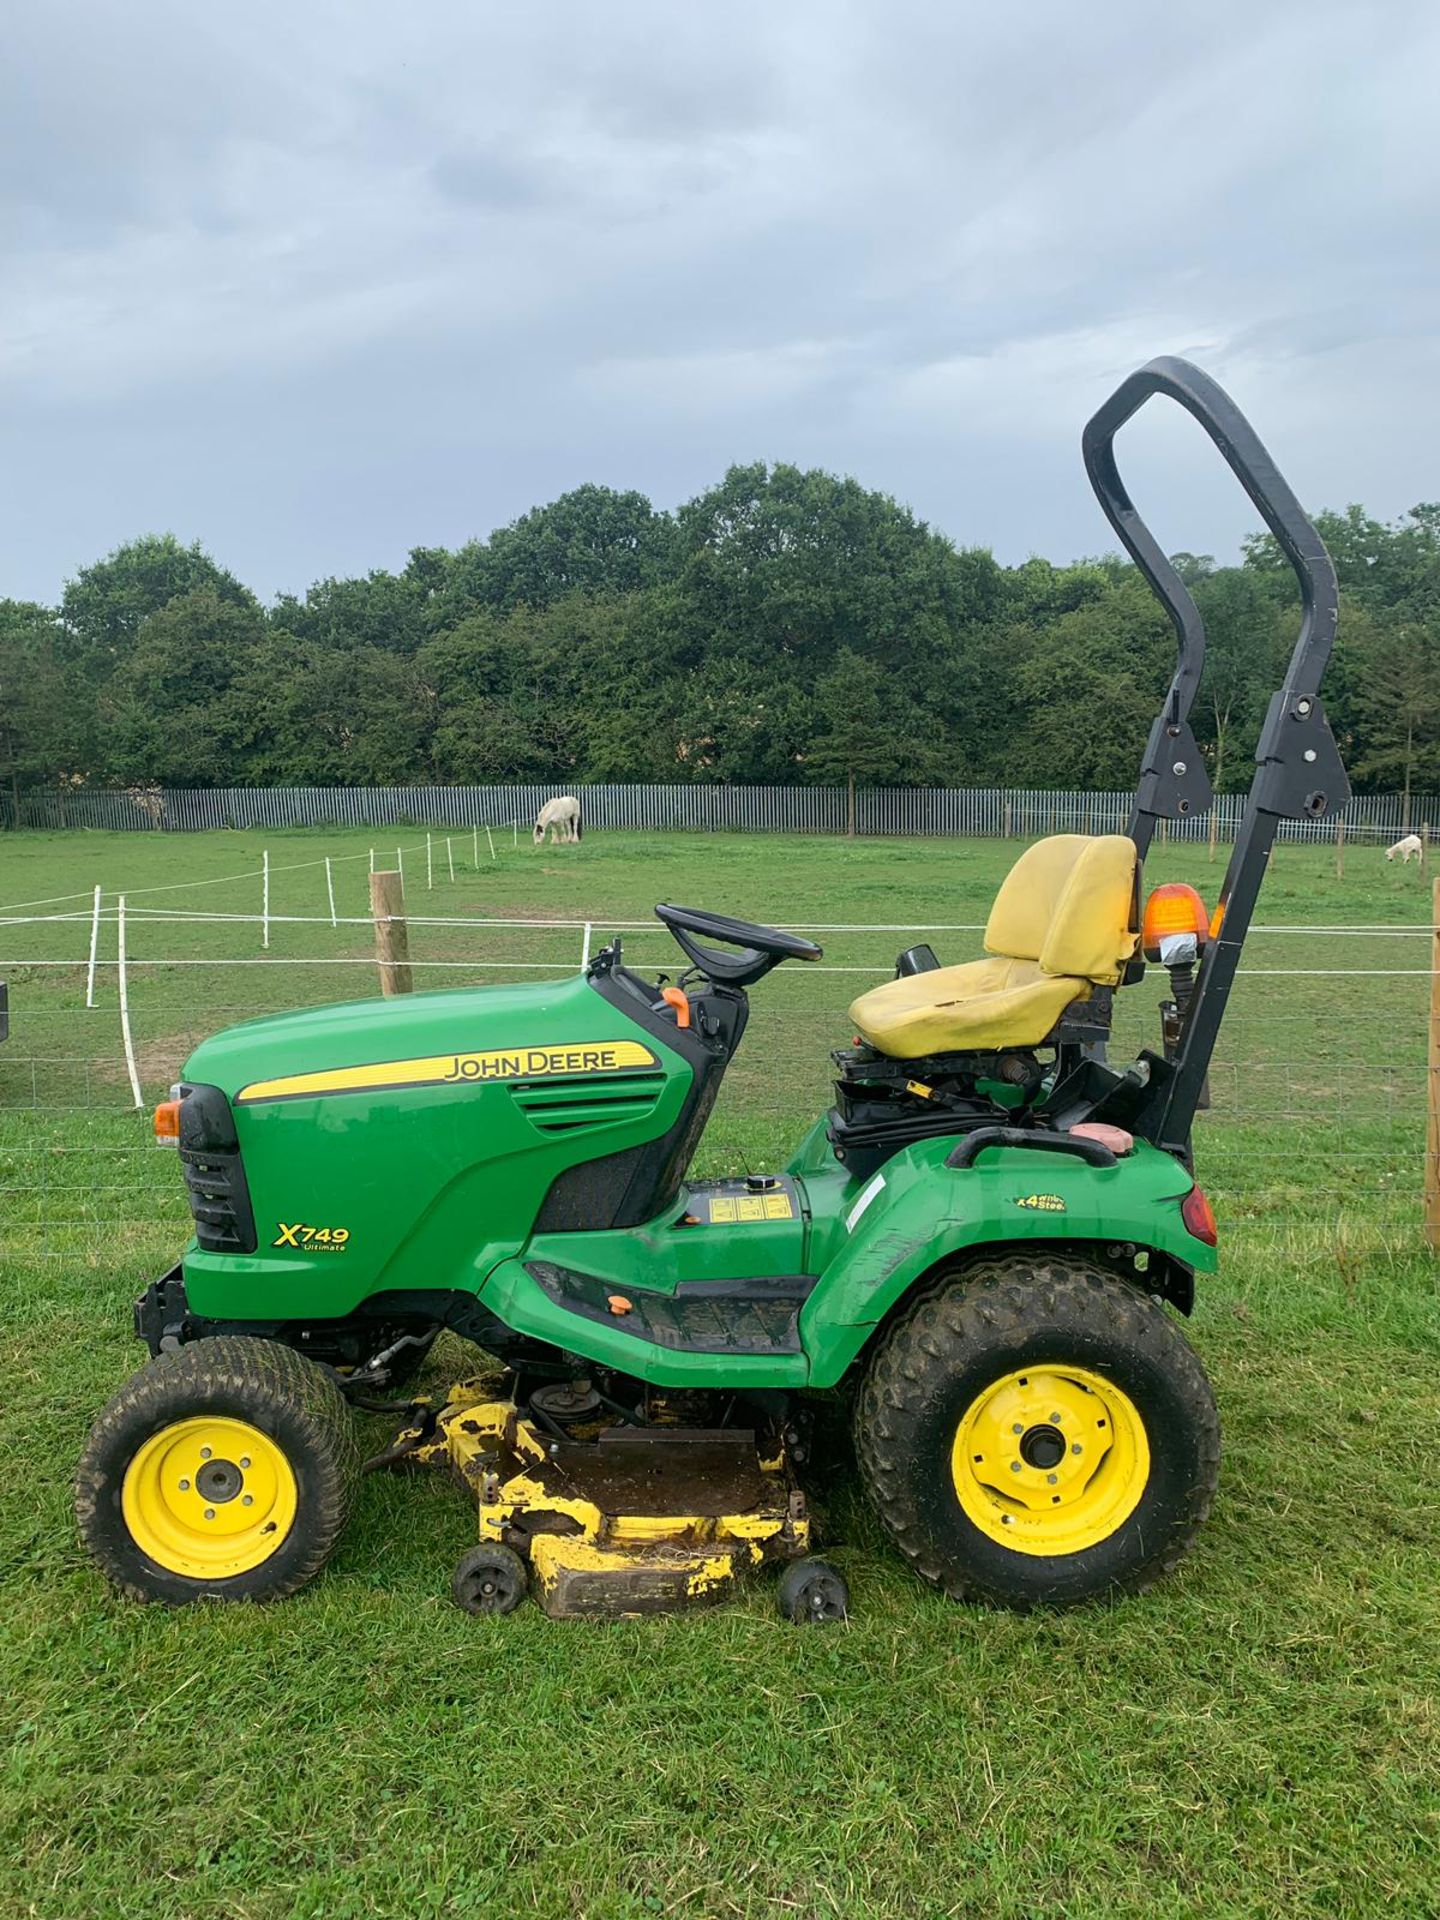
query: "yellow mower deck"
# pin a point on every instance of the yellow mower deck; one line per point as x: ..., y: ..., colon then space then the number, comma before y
x: 616, y: 1520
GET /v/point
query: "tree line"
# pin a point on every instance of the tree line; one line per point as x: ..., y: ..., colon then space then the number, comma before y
x: 785, y: 626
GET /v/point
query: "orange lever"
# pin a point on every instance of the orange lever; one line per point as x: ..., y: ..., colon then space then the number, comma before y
x: 676, y: 997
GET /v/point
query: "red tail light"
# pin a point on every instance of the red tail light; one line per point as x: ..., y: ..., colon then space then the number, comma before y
x: 1199, y: 1216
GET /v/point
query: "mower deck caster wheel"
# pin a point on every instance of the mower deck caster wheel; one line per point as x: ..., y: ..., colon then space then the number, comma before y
x: 490, y: 1580
x: 811, y: 1592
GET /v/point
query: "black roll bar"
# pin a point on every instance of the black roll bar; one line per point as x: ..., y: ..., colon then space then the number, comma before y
x: 1173, y: 782
x: 1298, y: 772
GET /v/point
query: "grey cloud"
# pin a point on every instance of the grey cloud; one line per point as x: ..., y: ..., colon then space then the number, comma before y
x: 316, y: 284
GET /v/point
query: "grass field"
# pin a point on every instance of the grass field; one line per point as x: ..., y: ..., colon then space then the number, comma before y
x: 1261, y: 1735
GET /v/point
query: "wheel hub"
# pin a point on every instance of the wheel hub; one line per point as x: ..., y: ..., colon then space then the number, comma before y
x: 1051, y: 1460
x: 1043, y: 1447
x: 219, y: 1481
x: 209, y: 1498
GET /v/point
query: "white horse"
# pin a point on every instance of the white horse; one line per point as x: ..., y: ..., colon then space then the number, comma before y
x: 561, y: 817
x: 1412, y: 843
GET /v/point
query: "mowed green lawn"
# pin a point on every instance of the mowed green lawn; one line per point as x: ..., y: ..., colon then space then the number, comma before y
x: 1261, y: 1735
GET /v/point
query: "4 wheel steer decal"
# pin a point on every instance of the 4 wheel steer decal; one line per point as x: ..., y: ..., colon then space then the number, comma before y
x: 306, y: 1239
x: 1042, y: 1202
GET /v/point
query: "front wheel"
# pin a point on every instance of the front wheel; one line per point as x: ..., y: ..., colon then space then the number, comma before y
x: 1038, y: 1432
x: 222, y: 1471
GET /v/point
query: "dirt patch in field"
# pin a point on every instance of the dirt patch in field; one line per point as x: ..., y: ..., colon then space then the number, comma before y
x: 158, y: 1060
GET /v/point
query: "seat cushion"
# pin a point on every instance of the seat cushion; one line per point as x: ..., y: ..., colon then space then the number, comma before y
x: 1069, y: 903
x: 984, y: 1004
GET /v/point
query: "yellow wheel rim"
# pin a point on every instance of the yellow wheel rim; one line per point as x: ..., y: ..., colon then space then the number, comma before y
x: 209, y: 1498
x: 1050, y: 1459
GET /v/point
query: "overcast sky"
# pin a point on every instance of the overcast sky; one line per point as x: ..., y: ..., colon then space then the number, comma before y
x: 315, y: 283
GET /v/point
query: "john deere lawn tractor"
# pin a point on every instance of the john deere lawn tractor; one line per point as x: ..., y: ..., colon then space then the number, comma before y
x: 986, y: 1238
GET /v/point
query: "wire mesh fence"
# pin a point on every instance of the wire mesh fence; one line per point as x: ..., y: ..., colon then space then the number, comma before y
x: 1318, y: 1094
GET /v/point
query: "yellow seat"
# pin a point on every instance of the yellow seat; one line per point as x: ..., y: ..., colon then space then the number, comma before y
x: 1063, y: 923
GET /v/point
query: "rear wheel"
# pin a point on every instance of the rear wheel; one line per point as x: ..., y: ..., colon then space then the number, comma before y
x: 1037, y: 1433
x: 222, y: 1471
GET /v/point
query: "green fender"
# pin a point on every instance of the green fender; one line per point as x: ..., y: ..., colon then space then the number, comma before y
x: 873, y: 1240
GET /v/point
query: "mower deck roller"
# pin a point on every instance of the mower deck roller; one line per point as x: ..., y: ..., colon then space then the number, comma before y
x: 987, y: 1236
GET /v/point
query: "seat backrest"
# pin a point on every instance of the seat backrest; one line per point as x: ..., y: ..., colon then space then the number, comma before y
x: 1068, y: 904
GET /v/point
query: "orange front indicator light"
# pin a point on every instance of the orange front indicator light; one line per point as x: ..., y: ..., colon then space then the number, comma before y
x: 167, y: 1124
x: 1172, y: 911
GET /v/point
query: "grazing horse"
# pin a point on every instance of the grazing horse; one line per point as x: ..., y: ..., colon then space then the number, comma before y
x: 561, y: 817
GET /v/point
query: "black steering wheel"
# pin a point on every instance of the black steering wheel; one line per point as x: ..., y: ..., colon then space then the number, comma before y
x: 761, y: 948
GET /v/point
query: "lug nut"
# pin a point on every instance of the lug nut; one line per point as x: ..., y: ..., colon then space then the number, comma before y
x: 1052, y: 1478
x: 184, y: 1486
x: 204, y: 1453
x: 1018, y: 1427
x: 1077, y: 1448
x: 247, y: 1499
x: 209, y: 1513
x: 1014, y: 1466
x: 244, y: 1459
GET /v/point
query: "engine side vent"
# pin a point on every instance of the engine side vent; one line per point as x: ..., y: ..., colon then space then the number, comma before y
x: 586, y: 1102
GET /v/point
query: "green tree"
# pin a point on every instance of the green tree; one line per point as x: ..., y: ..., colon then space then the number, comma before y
x: 1395, y: 699
x: 45, y: 735
x: 383, y: 610
x: 321, y: 716
x: 105, y: 604
x: 172, y: 710
x: 871, y: 734
x: 593, y: 540
x: 1247, y: 638
x: 1086, y: 688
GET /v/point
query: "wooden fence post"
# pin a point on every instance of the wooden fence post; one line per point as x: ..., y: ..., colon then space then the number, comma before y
x: 1340, y: 847
x: 1424, y: 843
x: 1432, y: 1084
x: 1009, y: 820
x: 1214, y: 827
x: 392, y: 936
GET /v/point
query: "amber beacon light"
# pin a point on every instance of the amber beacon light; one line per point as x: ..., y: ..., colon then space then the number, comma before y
x: 1171, y: 910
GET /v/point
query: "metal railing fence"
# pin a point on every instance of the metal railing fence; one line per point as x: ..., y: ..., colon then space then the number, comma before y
x: 901, y: 812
